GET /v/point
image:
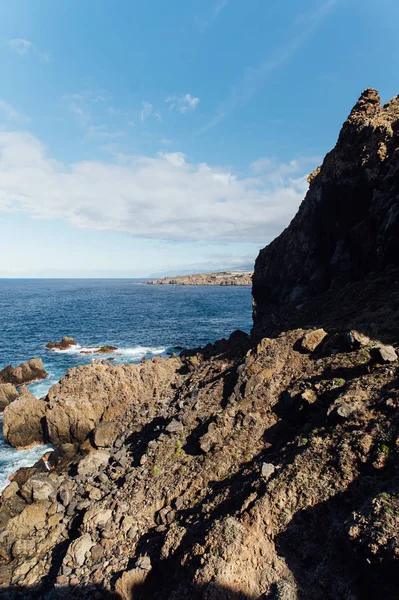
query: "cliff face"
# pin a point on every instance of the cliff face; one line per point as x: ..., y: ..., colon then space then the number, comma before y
x: 346, y: 230
x: 252, y: 468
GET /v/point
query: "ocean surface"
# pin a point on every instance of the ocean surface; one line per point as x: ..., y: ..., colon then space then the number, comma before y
x: 140, y: 320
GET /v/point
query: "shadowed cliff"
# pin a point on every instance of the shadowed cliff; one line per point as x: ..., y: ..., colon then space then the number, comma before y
x: 337, y: 261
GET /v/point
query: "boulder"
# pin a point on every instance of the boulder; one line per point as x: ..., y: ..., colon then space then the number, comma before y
x: 105, y: 434
x: 102, y: 392
x: 312, y: 340
x: 33, y: 370
x: 8, y: 393
x: 79, y: 550
x: 24, y: 421
x: 384, y: 354
x: 93, y: 462
x: 39, y: 488
x: 355, y: 339
x: 65, y: 344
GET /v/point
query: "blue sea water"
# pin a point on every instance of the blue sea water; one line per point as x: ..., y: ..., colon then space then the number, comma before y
x: 140, y: 320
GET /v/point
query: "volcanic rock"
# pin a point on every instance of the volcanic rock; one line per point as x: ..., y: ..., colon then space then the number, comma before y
x: 24, y: 421
x: 65, y: 344
x: 33, y: 370
x: 8, y: 393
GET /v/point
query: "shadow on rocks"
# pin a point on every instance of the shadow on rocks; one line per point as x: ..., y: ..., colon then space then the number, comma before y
x: 210, y: 591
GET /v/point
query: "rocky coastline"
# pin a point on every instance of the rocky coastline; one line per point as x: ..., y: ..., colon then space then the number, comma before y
x: 239, y: 278
x: 261, y: 466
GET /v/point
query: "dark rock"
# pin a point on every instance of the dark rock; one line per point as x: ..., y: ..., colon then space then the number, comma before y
x: 65, y: 344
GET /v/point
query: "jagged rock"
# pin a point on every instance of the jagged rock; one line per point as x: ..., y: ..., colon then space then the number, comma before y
x: 105, y: 434
x: 8, y: 393
x: 312, y: 340
x: 267, y: 470
x: 32, y: 370
x: 355, y: 339
x: 10, y: 490
x: 79, y: 550
x: 102, y: 392
x: 320, y: 270
x: 65, y: 344
x: 39, y: 488
x: 128, y: 582
x: 144, y: 562
x: 174, y: 426
x: 23, y: 423
x: 384, y: 354
x: 93, y: 462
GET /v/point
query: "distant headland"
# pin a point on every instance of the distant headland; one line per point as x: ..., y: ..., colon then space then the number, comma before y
x: 220, y: 278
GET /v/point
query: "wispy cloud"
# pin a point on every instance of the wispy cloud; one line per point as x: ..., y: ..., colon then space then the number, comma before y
x: 182, y: 104
x: 166, y: 197
x: 299, y: 32
x: 25, y: 47
x: 204, y: 23
x: 147, y: 111
x: 10, y: 113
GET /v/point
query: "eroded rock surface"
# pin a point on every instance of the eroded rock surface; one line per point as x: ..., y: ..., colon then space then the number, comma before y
x: 24, y: 421
x: 262, y: 467
x: 32, y: 370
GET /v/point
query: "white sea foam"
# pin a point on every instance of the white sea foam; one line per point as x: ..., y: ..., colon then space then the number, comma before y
x: 12, y: 459
x: 140, y: 351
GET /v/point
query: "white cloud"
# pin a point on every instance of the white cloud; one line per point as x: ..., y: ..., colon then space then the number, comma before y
x: 20, y: 46
x: 10, y: 113
x: 147, y: 110
x: 182, y: 103
x: 25, y: 47
x: 163, y: 197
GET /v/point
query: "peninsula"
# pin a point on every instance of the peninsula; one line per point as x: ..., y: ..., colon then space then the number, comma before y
x: 218, y: 278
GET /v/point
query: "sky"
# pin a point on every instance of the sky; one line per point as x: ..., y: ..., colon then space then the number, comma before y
x: 146, y: 138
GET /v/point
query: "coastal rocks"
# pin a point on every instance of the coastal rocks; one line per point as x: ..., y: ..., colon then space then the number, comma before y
x: 312, y: 340
x: 384, y: 354
x: 355, y: 339
x: 99, y: 350
x: 102, y: 392
x: 93, y: 462
x: 345, y: 235
x: 33, y: 370
x: 65, y: 344
x: 39, y: 488
x: 79, y: 550
x: 223, y: 278
x: 24, y: 421
x: 8, y: 393
x: 105, y: 434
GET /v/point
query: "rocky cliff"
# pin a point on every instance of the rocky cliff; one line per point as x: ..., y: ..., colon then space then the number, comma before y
x: 220, y: 278
x: 254, y: 468
x: 341, y: 250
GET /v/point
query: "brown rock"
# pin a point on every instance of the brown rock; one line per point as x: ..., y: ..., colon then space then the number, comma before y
x: 93, y: 462
x: 65, y: 344
x: 105, y: 434
x: 312, y: 340
x: 8, y: 393
x: 102, y: 392
x: 24, y: 419
x: 32, y: 370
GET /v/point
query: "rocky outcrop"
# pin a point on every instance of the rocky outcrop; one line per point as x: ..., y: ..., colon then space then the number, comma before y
x: 33, y: 370
x: 8, y: 393
x: 221, y: 278
x: 24, y: 421
x: 102, y: 392
x: 65, y: 344
x: 262, y: 467
x: 342, y: 247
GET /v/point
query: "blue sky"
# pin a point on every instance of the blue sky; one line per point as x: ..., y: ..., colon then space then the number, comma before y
x: 140, y: 138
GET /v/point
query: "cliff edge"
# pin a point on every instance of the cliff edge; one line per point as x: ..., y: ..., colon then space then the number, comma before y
x: 341, y: 251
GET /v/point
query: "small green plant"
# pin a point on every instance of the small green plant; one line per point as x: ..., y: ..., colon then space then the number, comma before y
x: 156, y: 471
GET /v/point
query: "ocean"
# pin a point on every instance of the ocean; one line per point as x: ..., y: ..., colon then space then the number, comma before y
x: 140, y: 320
